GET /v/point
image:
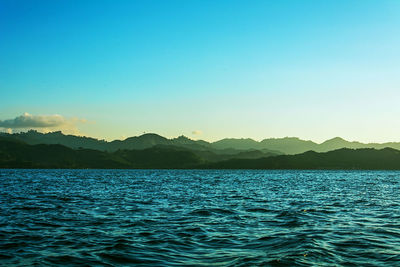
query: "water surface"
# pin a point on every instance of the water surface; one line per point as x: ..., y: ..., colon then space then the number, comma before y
x: 199, y: 217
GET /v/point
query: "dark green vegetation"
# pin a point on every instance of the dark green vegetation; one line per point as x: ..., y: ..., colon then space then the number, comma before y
x: 294, y: 145
x: 155, y: 152
x: 345, y: 158
x: 17, y: 154
x: 287, y: 145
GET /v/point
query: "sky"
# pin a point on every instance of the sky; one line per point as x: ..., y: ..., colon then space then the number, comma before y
x: 203, y: 69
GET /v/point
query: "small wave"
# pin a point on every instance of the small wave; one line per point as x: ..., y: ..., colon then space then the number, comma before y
x: 164, y: 218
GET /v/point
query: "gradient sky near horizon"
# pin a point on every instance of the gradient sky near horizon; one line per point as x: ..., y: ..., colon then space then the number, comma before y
x: 205, y: 69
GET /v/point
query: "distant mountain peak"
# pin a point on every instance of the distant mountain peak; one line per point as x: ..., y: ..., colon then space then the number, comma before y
x: 291, y: 138
x: 150, y: 135
x: 335, y: 140
x: 146, y: 136
x: 338, y: 138
x: 182, y: 137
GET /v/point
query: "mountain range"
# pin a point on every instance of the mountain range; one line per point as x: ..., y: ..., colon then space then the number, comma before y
x: 17, y: 154
x: 271, y: 146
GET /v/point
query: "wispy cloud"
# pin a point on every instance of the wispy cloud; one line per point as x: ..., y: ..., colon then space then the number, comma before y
x: 43, y: 123
x: 197, y: 132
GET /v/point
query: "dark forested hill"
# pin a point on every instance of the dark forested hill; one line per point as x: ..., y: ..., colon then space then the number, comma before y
x: 366, y: 158
x: 228, y: 146
x: 137, y: 142
x: 294, y: 145
x: 17, y: 154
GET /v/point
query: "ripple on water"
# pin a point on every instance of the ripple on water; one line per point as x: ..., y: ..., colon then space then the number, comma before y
x: 189, y: 217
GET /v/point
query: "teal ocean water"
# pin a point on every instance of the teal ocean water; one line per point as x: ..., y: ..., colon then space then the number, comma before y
x: 199, y: 217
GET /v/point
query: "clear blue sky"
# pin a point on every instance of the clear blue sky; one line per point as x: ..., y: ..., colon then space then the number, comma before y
x: 312, y: 69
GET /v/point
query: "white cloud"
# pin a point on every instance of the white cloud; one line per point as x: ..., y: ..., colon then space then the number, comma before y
x: 42, y: 123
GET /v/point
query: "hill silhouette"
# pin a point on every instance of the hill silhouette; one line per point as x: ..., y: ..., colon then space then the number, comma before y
x: 137, y: 142
x: 345, y: 158
x: 229, y: 146
x: 17, y: 154
x: 294, y: 145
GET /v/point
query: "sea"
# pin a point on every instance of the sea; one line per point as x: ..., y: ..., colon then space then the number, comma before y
x: 199, y: 218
